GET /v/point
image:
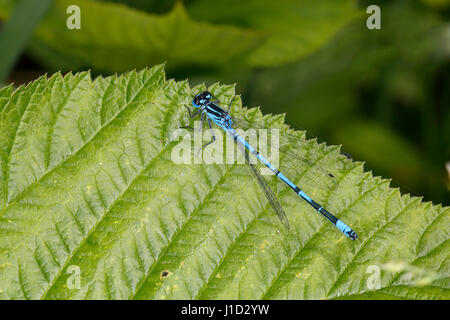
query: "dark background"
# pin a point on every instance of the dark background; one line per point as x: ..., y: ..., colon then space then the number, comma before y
x: 383, y: 94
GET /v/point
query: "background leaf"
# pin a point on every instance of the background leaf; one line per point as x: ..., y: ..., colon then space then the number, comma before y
x: 86, y: 180
x: 366, y: 140
x: 236, y: 31
x: 17, y: 30
x: 288, y: 24
x: 113, y: 38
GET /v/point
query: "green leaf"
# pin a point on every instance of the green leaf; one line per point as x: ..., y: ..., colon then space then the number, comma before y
x: 324, y: 87
x: 154, y: 6
x: 367, y: 140
x: 87, y: 183
x: 295, y: 28
x: 116, y: 38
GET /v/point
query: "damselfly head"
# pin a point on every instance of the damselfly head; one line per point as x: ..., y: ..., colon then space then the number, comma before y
x: 201, y: 99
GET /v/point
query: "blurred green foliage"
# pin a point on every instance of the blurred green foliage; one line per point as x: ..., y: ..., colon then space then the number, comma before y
x: 383, y: 94
x: 17, y: 31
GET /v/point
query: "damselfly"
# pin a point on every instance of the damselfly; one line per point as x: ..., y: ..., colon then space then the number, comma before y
x: 208, y: 107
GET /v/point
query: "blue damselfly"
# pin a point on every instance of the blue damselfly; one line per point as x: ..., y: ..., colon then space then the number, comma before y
x: 210, y: 110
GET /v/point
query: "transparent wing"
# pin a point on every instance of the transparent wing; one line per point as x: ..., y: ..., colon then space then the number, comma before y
x: 268, y: 192
x: 297, y: 158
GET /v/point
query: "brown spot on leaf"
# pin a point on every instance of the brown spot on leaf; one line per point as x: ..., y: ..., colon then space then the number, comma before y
x: 164, y: 274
